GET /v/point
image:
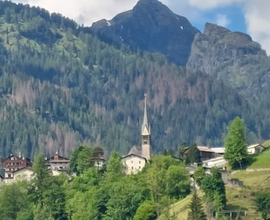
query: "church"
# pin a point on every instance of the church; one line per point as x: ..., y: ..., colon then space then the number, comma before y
x: 139, y: 156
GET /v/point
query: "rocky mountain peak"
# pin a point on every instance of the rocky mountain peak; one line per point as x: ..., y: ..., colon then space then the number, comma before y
x: 150, y: 26
x: 228, y: 56
x: 214, y: 29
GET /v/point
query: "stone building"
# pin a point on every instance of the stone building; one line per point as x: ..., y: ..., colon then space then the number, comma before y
x: 137, y: 157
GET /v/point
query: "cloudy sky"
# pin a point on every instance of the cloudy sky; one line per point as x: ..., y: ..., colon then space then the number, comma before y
x: 248, y: 16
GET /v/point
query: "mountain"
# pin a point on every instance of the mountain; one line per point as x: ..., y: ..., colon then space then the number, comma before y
x: 232, y: 57
x: 239, y: 62
x: 61, y: 86
x: 150, y: 26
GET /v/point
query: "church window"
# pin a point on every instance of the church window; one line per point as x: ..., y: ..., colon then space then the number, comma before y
x: 139, y: 162
x: 139, y: 167
x: 132, y: 161
x: 132, y: 168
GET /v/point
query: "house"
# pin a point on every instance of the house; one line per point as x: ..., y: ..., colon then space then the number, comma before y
x: 58, y: 164
x: 214, y: 162
x: 255, y: 149
x: 13, y: 163
x: 205, y: 153
x: 208, y: 165
x: 98, y: 157
x: 219, y: 151
x: 137, y: 157
x: 24, y: 173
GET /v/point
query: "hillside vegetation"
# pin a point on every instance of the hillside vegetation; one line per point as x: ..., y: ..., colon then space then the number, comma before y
x: 238, y: 198
x: 261, y: 160
x: 61, y: 86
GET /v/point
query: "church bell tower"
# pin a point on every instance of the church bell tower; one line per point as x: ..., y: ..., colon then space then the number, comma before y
x: 146, y: 134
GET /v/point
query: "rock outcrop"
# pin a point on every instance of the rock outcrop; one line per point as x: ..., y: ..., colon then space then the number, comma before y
x: 230, y: 56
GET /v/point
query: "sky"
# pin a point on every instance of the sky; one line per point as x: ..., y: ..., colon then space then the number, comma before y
x: 248, y: 16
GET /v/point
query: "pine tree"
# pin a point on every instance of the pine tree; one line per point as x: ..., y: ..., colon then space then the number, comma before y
x: 193, y: 155
x: 235, y: 145
x: 196, y: 209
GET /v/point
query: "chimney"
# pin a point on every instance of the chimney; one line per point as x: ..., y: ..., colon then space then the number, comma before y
x: 56, y: 157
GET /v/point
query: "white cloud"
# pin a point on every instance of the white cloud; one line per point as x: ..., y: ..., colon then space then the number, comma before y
x: 88, y: 11
x: 257, y: 20
x: 222, y: 20
x: 210, y: 4
x: 84, y: 10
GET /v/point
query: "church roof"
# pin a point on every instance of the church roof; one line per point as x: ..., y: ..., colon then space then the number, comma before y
x: 135, y: 151
x: 132, y: 155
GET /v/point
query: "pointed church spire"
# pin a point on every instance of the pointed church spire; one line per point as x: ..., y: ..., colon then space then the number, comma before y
x: 145, y: 125
x: 145, y: 119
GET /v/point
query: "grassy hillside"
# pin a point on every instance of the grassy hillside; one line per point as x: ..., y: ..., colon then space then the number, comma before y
x: 238, y: 198
x: 180, y: 209
x: 261, y: 160
x: 244, y: 197
x: 266, y: 143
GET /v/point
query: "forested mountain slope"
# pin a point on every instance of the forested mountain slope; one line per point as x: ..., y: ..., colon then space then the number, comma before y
x: 61, y: 86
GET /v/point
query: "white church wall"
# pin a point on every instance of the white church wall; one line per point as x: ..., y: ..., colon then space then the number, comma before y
x: 133, y: 164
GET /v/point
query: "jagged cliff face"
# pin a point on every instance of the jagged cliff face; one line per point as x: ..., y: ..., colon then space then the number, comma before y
x: 232, y: 57
x: 150, y: 26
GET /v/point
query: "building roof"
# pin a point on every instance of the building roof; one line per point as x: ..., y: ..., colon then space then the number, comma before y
x: 134, y: 155
x: 218, y: 150
x: 136, y: 151
x: 214, y: 162
x: 254, y: 145
x: 200, y: 148
x: 59, y: 157
x: 205, y: 149
x: 19, y: 157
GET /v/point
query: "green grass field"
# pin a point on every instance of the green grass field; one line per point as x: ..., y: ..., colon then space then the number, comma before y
x: 266, y: 144
x: 181, y: 208
x: 262, y: 160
